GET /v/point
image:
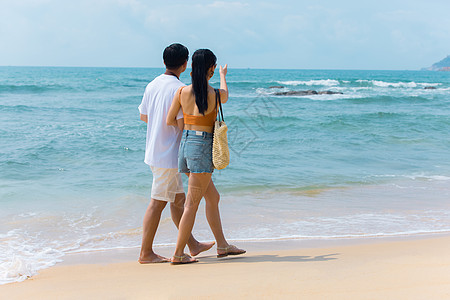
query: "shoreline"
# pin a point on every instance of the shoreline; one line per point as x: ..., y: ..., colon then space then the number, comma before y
x: 414, y: 267
x: 120, y: 255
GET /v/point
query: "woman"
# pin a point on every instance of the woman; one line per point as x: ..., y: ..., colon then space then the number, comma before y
x: 198, y: 102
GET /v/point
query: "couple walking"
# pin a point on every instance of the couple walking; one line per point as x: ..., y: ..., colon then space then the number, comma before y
x: 180, y: 121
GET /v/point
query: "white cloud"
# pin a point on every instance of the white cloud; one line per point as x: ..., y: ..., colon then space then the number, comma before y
x: 252, y: 33
x: 227, y: 5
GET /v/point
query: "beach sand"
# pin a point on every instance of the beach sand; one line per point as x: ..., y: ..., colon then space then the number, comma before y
x: 384, y: 269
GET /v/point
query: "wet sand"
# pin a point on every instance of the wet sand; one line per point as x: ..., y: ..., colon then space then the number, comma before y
x: 382, y: 269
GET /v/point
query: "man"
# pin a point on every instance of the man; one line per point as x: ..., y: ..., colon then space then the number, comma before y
x: 161, y: 153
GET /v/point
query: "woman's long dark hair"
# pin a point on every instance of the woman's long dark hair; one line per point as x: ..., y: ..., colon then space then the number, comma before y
x: 202, y: 60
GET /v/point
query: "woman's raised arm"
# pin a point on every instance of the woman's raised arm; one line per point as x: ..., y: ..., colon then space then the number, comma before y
x: 223, y: 84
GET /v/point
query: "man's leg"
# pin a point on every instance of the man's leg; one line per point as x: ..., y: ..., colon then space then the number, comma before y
x: 150, y: 225
x: 176, y: 211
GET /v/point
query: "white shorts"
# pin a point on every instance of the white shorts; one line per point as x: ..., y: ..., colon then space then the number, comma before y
x: 166, y: 184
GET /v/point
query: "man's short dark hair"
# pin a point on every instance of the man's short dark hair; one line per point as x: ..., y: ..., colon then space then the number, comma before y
x: 175, y: 56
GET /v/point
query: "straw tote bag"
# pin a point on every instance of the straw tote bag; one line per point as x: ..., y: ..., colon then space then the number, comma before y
x: 220, y: 151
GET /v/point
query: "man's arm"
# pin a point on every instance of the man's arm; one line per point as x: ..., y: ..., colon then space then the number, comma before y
x: 144, y: 118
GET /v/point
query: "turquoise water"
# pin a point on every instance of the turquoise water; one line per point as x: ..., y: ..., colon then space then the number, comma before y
x: 372, y: 161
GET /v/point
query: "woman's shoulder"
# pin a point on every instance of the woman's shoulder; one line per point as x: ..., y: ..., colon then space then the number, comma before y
x: 185, y: 88
x: 211, y: 90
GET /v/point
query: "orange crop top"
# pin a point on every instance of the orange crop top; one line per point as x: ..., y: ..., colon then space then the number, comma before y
x: 206, y: 120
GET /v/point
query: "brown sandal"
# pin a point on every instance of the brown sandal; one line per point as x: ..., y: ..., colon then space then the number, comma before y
x: 230, y: 250
x: 181, y: 262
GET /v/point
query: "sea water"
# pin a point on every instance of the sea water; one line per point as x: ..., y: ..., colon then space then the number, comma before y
x: 372, y: 161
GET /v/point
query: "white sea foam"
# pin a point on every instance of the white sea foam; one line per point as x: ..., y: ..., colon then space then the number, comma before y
x: 343, y: 236
x: 411, y: 84
x: 400, y: 84
x: 420, y: 176
x: 349, y: 226
x: 429, y: 177
x: 429, y: 84
x: 263, y: 91
x: 22, y: 256
x: 324, y: 82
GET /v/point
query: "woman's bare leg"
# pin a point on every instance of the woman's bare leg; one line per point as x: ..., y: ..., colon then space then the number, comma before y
x: 176, y: 211
x: 212, y: 199
x: 198, y: 184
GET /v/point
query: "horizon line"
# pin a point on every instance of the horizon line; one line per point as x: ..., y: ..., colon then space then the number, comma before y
x: 237, y: 68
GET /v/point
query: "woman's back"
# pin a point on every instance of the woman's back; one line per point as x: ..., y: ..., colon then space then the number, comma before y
x: 193, y: 119
x: 198, y: 100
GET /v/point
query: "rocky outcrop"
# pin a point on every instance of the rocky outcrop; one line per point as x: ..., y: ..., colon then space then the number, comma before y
x: 306, y: 93
x: 443, y: 65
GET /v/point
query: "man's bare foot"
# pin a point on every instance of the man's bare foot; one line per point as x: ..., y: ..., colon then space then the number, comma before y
x: 200, y: 247
x: 153, y: 259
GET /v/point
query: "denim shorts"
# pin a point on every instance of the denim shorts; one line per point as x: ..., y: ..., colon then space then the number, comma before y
x: 195, y: 154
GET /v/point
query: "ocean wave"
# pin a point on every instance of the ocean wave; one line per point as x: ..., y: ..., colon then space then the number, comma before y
x: 388, y: 98
x: 421, y: 177
x: 32, y: 88
x: 342, y: 236
x: 50, y: 109
x: 140, y: 80
x: 349, y: 225
x: 21, y: 259
x: 359, y: 93
x: 16, y: 108
x: 411, y: 84
x: 317, y: 97
x: 270, y: 91
x: 41, y: 88
x: 358, y: 83
x: 326, y: 97
x: 323, y: 82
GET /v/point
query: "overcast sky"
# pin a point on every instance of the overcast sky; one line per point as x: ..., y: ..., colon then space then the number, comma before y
x: 245, y: 34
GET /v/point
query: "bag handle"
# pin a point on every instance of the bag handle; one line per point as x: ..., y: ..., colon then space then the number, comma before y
x: 220, y: 104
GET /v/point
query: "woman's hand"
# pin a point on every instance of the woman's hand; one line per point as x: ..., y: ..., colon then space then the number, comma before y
x: 223, y: 84
x: 223, y: 71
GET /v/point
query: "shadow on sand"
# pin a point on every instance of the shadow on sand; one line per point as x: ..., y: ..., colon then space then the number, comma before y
x: 246, y: 258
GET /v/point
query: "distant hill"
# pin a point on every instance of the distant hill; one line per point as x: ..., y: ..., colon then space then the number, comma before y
x: 443, y: 65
